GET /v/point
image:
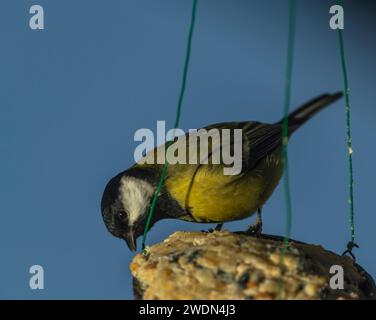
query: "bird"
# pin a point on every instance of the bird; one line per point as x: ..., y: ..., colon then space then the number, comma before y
x: 202, y: 192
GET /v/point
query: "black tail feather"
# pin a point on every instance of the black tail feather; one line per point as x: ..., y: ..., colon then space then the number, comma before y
x: 309, y: 109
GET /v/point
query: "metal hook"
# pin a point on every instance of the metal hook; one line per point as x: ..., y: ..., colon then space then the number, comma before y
x: 350, y: 246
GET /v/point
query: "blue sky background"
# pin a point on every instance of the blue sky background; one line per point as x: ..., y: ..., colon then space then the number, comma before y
x: 72, y: 96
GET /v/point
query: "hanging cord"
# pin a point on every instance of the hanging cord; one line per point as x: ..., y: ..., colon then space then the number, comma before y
x: 289, y: 65
x: 177, y: 119
x: 351, y: 244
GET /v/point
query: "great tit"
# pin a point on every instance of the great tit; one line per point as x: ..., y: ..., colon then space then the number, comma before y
x: 202, y: 192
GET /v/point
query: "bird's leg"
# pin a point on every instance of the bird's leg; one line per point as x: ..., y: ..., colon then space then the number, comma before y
x: 256, y: 228
x: 218, y: 227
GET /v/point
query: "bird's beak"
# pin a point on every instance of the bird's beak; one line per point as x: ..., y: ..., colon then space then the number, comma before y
x: 131, y: 241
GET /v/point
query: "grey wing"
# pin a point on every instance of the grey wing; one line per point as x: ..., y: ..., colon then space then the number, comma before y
x: 258, y: 140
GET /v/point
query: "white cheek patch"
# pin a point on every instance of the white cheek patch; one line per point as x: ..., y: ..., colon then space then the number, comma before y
x: 135, y: 195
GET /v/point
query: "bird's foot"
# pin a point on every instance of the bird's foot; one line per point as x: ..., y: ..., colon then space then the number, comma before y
x: 218, y: 227
x: 255, y: 229
x: 210, y: 230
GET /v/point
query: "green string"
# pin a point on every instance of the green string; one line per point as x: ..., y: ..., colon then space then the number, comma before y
x: 178, y: 112
x: 348, y: 131
x: 289, y: 65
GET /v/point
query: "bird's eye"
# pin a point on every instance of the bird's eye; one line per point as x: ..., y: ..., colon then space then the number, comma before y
x: 121, y: 215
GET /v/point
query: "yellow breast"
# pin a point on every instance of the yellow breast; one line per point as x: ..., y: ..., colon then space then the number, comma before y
x: 212, y: 196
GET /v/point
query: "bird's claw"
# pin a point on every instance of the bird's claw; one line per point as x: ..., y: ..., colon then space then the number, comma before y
x: 254, y: 230
x: 218, y: 227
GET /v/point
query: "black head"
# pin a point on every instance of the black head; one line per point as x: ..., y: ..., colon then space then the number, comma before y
x: 125, y: 207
